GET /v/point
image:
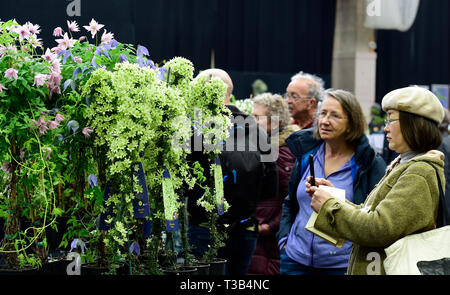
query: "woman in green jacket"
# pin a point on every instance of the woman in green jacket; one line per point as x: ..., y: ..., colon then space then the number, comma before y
x: 405, y: 200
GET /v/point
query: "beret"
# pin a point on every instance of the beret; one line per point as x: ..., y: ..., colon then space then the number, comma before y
x: 415, y: 100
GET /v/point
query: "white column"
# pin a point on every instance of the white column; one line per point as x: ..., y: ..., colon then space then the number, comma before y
x: 354, y: 62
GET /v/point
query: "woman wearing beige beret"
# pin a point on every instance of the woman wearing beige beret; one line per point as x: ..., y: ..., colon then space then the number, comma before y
x: 405, y: 200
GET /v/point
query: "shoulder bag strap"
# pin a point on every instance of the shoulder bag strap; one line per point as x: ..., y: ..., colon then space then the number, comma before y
x: 443, y: 217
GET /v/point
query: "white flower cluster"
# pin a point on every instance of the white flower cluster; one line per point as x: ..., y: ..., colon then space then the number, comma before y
x: 245, y: 105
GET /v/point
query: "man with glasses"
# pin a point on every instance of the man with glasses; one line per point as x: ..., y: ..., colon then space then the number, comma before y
x: 303, y: 94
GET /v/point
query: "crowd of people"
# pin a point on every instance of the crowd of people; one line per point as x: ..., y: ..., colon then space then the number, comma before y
x: 387, y: 198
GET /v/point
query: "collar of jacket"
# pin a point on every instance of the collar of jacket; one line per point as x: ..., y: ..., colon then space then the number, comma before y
x: 283, y: 135
x: 303, y: 141
x: 235, y: 111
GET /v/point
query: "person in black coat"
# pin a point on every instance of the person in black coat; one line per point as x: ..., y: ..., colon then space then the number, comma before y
x: 250, y: 175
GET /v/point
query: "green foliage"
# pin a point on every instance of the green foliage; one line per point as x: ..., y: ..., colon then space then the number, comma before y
x: 96, y: 109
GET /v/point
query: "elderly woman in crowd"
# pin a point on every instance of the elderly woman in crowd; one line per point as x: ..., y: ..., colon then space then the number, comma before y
x: 272, y: 114
x: 405, y: 200
x: 342, y: 155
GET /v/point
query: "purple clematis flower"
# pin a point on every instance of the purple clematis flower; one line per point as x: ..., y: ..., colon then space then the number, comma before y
x: 77, y: 242
x: 161, y: 73
x: 135, y: 248
x: 67, y: 83
x: 123, y: 58
x: 102, y: 50
x: 111, y: 44
x: 141, y: 62
x: 67, y: 53
x: 75, y: 73
x: 92, y: 179
x: 6, y: 167
x: 142, y: 50
x: 94, y: 64
x: 73, y: 125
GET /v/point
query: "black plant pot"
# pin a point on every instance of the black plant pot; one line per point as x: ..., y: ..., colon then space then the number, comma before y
x: 56, y: 267
x: 217, y: 267
x: 180, y: 271
x: 202, y: 268
x: 15, y: 272
x: 27, y: 270
x: 57, y: 263
x: 90, y: 269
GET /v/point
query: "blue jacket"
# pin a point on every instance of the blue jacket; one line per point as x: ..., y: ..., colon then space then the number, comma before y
x: 367, y: 169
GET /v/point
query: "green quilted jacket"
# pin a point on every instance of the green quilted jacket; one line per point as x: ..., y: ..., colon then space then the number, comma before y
x: 402, y: 203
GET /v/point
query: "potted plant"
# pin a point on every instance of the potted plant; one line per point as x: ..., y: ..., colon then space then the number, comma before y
x: 211, y: 120
x: 85, y: 193
x: 142, y: 118
x: 29, y: 145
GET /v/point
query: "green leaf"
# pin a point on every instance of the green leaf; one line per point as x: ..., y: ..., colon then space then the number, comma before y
x: 57, y: 211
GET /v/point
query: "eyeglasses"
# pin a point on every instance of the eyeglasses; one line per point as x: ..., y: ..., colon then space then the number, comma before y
x: 388, y: 122
x: 331, y: 116
x: 294, y: 96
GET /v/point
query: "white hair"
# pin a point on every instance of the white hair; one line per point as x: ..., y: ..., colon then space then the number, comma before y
x: 316, y: 87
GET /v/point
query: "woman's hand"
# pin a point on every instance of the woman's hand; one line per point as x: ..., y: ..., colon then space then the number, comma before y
x: 319, y: 181
x: 319, y: 197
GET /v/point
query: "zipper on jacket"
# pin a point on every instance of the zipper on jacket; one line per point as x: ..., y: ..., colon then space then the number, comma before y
x: 352, y: 259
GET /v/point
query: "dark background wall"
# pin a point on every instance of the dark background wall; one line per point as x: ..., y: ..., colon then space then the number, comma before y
x: 253, y: 39
x: 420, y: 55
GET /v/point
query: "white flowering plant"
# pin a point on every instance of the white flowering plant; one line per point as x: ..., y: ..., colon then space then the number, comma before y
x: 245, y: 105
x: 136, y: 115
x: 81, y: 57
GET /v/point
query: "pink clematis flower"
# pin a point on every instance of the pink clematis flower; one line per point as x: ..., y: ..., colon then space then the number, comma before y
x: 11, y: 73
x: 34, y: 29
x: 73, y: 26
x: 2, y: 88
x: 34, y: 41
x: 3, y: 50
x: 40, y: 121
x: 56, y: 50
x: 43, y: 129
x: 107, y: 37
x: 23, y: 32
x: 66, y: 42
x: 93, y: 27
x: 42, y: 124
x: 87, y: 131
x: 47, y: 152
x: 40, y: 80
x: 49, y: 56
x: 53, y: 125
x: 54, y: 80
x: 59, y: 118
x: 58, y: 32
